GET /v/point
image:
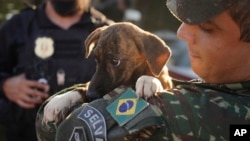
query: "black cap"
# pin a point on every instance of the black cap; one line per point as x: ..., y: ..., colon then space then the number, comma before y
x: 197, y: 11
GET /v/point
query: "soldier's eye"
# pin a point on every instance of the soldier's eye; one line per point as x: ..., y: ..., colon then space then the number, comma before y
x: 115, y: 62
x: 206, y: 27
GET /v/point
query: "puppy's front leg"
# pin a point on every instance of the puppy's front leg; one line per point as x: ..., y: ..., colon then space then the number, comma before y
x: 60, y: 104
x: 147, y: 86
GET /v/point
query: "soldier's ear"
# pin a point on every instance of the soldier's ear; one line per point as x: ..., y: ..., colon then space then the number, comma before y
x: 92, y: 39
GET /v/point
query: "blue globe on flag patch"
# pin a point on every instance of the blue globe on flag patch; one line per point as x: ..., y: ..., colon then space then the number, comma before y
x: 126, y: 106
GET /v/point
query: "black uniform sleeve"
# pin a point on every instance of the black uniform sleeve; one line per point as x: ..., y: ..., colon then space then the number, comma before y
x: 10, y: 35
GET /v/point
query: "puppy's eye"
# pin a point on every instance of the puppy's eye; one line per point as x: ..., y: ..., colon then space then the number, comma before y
x: 115, y: 62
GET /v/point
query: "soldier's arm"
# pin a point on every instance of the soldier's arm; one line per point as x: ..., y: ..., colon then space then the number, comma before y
x: 187, y: 112
x: 201, y: 112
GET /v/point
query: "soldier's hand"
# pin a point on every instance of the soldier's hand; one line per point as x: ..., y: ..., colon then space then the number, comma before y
x: 25, y: 92
x: 147, y: 86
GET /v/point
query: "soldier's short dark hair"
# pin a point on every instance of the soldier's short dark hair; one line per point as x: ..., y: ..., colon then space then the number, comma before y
x: 240, y: 13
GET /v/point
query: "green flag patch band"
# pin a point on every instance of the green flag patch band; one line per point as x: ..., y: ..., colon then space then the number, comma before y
x: 126, y: 107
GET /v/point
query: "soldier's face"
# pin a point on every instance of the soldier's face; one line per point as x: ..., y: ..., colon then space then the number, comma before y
x: 215, y: 50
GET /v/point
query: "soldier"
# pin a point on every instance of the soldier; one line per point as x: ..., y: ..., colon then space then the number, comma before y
x: 218, y: 38
x: 41, y: 52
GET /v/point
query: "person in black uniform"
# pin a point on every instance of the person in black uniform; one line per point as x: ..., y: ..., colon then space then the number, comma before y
x: 41, y: 52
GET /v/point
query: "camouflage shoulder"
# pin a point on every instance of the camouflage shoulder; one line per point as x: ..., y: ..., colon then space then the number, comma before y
x: 199, y: 111
x: 77, y: 87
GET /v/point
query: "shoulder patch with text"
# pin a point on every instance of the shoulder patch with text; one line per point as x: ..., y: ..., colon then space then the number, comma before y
x: 96, y: 123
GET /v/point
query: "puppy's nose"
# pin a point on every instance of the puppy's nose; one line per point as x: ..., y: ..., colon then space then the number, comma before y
x: 92, y: 95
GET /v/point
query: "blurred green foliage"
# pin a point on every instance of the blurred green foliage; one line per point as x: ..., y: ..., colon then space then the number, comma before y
x: 155, y: 15
x: 8, y: 8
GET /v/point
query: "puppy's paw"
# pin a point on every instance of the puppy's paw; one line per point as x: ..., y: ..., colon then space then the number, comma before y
x: 60, y: 104
x: 147, y: 86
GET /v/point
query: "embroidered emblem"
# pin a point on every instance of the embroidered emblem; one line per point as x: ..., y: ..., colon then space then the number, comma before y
x: 96, y: 123
x: 126, y: 107
x: 77, y: 134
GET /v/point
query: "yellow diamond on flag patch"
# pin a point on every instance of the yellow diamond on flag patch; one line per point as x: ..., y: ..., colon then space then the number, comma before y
x: 126, y: 106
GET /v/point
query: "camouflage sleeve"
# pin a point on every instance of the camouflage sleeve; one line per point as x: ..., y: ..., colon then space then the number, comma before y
x: 195, y: 112
x: 191, y: 112
x: 46, y: 131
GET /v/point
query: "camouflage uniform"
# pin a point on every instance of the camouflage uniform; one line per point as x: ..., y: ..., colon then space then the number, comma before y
x: 192, y: 111
x: 200, y: 111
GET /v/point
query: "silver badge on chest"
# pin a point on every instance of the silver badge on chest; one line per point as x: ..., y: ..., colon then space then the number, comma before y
x: 44, y: 47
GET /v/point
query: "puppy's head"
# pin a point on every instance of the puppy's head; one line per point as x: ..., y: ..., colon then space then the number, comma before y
x: 123, y: 52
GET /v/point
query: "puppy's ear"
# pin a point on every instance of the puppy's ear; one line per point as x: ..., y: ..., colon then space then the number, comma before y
x: 92, y: 39
x: 156, y: 52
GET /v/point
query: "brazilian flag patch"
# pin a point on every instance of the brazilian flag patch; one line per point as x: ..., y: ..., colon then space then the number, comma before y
x: 125, y: 107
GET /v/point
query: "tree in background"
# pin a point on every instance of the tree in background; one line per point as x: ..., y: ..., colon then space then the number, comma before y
x: 155, y: 15
x: 10, y: 7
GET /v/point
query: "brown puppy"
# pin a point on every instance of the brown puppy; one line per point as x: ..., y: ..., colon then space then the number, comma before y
x: 123, y: 53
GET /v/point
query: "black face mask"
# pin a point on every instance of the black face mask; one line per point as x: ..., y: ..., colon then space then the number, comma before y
x: 65, y: 8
